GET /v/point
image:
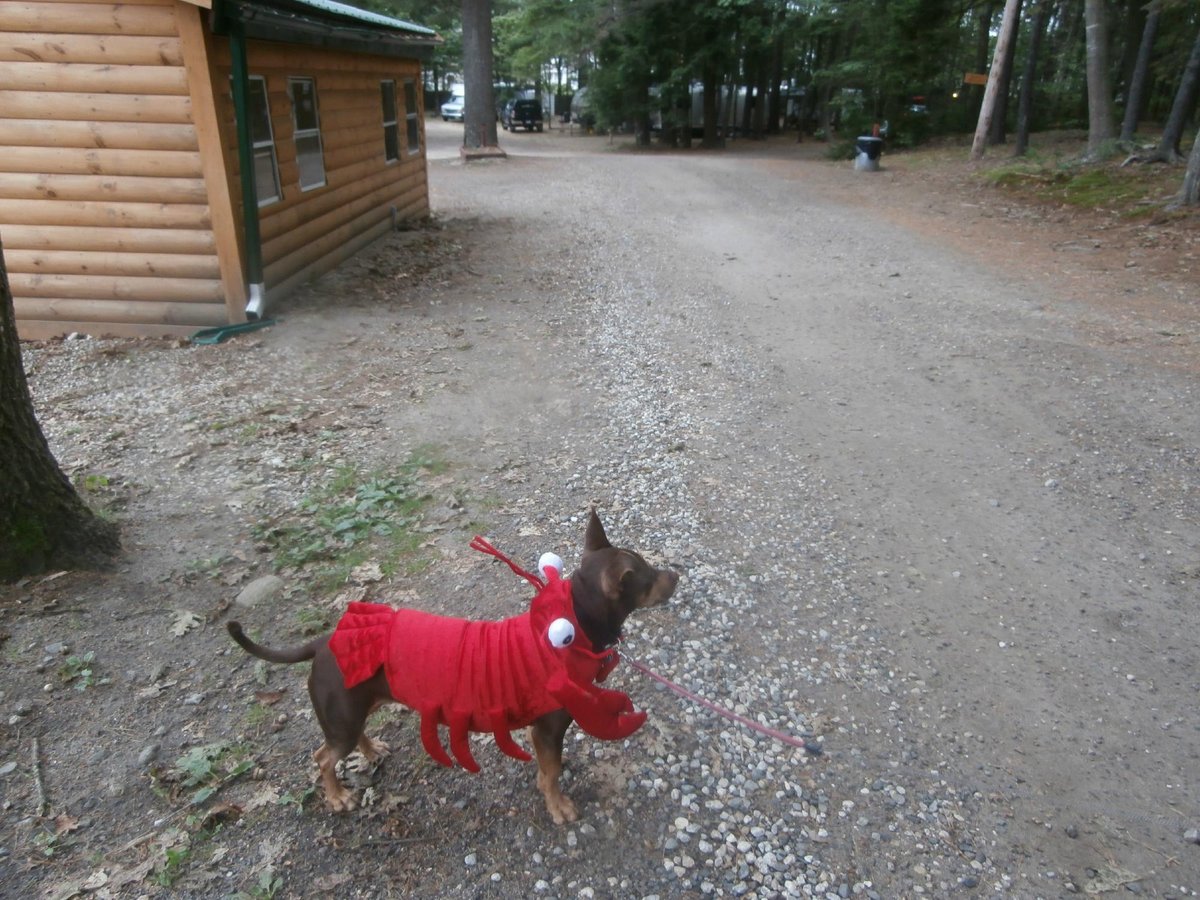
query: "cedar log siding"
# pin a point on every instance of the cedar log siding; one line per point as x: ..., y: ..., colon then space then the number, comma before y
x: 120, y: 208
x: 307, y: 233
x: 105, y: 215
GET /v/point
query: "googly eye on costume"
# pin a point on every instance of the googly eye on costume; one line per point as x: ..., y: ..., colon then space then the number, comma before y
x: 561, y: 633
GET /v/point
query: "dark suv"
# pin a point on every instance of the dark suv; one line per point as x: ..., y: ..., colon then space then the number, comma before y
x: 525, y: 114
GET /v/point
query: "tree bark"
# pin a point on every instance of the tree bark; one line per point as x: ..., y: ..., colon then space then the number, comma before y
x: 1185, y: 98
x: 712, y: 105
x: 983, y: 38
x: 998, y: 131
x: 43, y: 523
x: 1137, y: 80
x: 1029, y: 76
x: 1008, y: 30
x: 1100, y: 122
x: 1190, y: 195
x: 479, y: 108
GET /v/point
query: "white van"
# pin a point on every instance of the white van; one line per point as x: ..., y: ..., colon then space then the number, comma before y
x: 452, y: 109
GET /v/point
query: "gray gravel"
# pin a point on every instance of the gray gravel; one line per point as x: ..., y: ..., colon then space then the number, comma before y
x: 925, y: 517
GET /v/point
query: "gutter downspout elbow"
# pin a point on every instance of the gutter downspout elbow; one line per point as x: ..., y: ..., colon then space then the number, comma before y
x: 257, y: 304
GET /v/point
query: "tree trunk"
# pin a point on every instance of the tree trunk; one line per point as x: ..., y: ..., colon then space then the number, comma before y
x: 998, y: 131
x: 712, y: 105
x: 1099, y: 92
x: 1065, y: 45
x: 983, y: 40
x: 1008, y: 31
x: 1137, y: 80
x: 43, y: 523
x: 479, y: 108
x: 1190, y: 195
x: 1029, y: 76
x: 1185, y: 99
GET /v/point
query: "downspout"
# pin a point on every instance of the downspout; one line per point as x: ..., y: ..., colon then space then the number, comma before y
x: 256, y: 303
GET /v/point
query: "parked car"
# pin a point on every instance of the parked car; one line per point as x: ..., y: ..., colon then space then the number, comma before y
x: 581, y: 109
x: 525, y: 114
x: 452, y: 109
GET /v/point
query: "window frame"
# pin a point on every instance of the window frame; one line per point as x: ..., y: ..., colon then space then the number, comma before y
x: 299, y: 134
x: 267, y: 144
x: 390, y: 126
x: 412, y: 118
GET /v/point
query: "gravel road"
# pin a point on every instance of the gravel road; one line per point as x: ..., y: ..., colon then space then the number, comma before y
x: 929, y: 513
x: 922, y: 511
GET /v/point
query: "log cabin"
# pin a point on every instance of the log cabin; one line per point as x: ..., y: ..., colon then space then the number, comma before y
x: 172, y: 165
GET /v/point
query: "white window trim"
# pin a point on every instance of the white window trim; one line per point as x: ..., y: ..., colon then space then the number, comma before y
x: 297, y: 133
x: 393, y: 122
x: 268, y: 144
x: 411, y: 115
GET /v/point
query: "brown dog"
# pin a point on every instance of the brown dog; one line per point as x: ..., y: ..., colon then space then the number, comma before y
x: 609, y: 584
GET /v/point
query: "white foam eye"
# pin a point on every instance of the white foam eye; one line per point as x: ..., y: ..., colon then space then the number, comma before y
x: 550, y: 561
x: 561, y: 633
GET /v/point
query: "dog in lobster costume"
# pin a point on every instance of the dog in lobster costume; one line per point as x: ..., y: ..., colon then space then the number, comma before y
x: 538, y: 669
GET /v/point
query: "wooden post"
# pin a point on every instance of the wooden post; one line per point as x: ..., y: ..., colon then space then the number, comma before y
x: 1008, y: 30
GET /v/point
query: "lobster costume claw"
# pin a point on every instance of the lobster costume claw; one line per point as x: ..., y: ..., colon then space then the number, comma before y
x: 604, y: 714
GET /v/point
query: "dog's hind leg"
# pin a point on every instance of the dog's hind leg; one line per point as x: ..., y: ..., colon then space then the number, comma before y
x: 343, y: 715
x: 337, y: 795
x: 547, y: 735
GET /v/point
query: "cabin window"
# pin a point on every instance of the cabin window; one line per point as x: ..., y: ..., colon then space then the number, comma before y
x: 411, y: 120
x: 266, y: 166
x: 391, y: 130
x: 306, y: 132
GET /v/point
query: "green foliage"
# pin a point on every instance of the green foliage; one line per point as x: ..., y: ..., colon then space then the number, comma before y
x: 79, y: 671
x: 642, y: 57
x: 353, y: 518
x: 207, y: 767
x: 172, y: 866
x: 1137, y: 190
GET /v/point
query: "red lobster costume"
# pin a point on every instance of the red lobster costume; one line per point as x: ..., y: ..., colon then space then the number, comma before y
x: 486, y: 676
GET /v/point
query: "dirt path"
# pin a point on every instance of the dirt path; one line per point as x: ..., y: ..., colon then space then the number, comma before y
x: 934, y: 507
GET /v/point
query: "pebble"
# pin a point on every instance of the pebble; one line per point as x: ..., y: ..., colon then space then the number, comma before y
x: 1192, y: 835
x: 261, y: 590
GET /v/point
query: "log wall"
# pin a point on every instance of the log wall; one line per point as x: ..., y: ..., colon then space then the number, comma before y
x: 119, y: 200
x: 307, y: 233
x: 104, y: 209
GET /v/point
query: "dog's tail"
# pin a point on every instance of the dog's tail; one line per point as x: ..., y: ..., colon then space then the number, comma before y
x: 292, y: 655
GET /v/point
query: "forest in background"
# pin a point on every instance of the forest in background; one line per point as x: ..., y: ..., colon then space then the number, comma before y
x: 835, y: 65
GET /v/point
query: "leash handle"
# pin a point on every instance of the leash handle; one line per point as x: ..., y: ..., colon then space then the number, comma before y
x: 813, y: 749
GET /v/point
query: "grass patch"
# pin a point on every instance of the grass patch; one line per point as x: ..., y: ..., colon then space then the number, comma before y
x: 205, y: 769
x: 357, y: 517
x: 1128, y: 191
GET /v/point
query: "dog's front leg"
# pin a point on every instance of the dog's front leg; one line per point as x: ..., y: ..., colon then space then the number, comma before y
x: 546, y: 735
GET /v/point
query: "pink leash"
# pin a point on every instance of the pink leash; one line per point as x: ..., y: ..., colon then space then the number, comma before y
x: 814, y: 749
x: 484, y: 546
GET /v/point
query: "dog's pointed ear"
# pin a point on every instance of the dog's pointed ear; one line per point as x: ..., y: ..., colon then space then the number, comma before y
x: 614, y: 583
x: 595, y: 538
